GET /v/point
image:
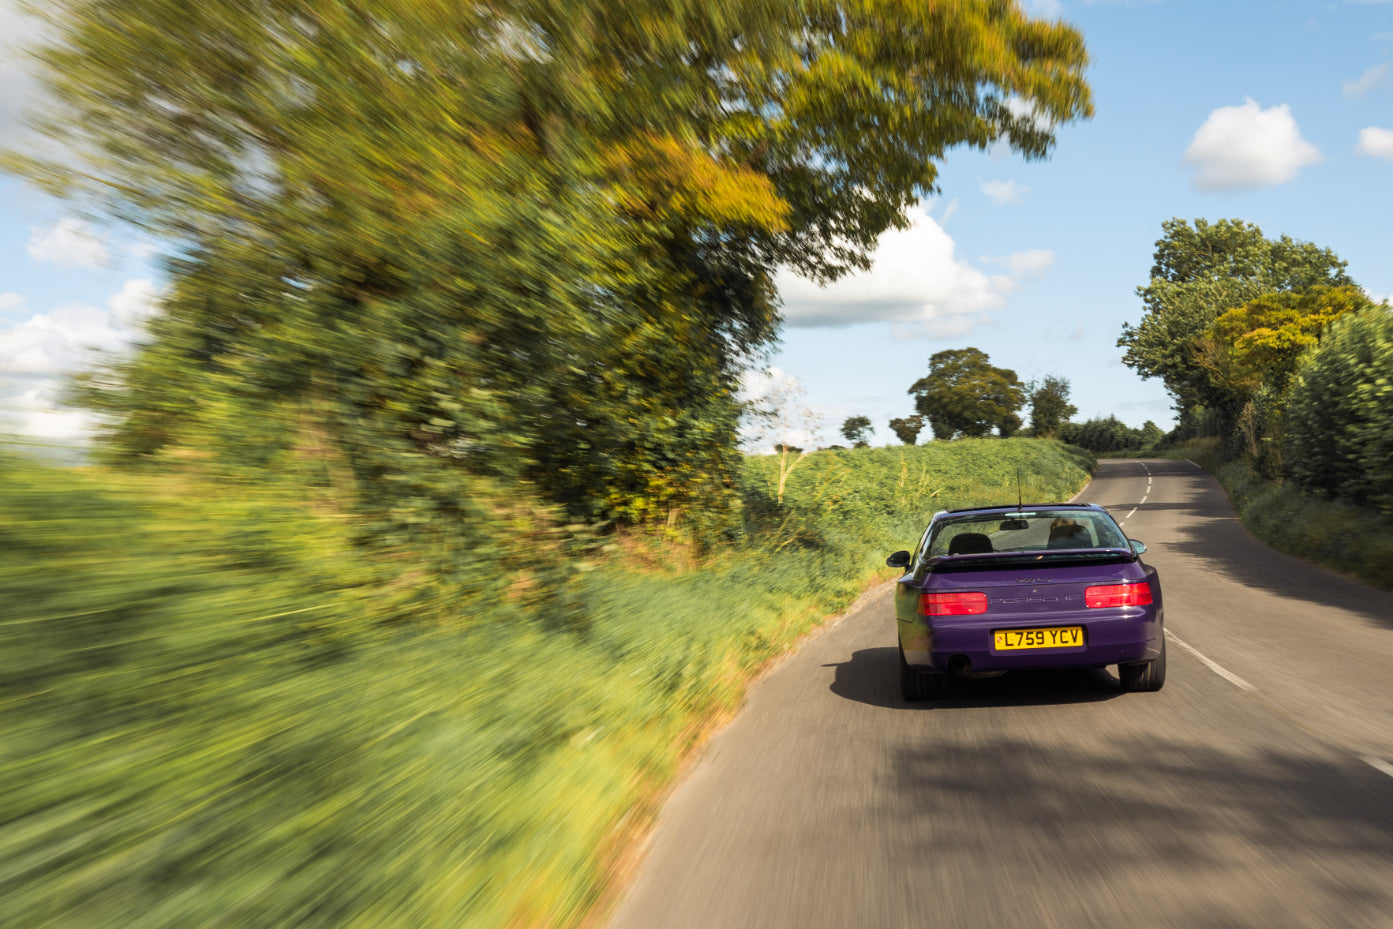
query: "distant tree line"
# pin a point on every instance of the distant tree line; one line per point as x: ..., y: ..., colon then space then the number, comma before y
x: 965, y: 396
x: 1110, y: 434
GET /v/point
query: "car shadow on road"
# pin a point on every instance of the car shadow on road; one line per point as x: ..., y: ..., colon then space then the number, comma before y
x: 871, y: 676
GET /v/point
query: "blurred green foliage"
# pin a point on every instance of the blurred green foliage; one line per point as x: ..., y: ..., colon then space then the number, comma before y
x: 433, y: 243
x: 1339, y: 418
x: 379, y: 615
x: 218, y: 709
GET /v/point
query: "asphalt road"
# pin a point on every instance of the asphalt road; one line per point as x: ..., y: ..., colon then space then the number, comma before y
x: 1255, y: 790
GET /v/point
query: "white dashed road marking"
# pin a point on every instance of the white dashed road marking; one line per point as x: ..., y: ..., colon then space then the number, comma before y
x: 1209, y: 663
x: 1379, y: 764
x: 1144, y: 496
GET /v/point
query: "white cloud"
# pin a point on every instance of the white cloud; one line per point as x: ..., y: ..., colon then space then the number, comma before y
x: 1242, y: 147
x: 1003, y: 192
x: 47, y: 344
x: 1376, y: 143
x: 36, y: 354
x: 36, y: 414
x: 778, y: 412
x: 948, y: 212
x: 1021, y: 107
x: 136, y: 302
x: 1372, y: 79
x: 756, y: 384
x: 1030, y: 264
x: 69, y: 243
x: 10, y: 302
x: 144, y: 251
x: 917, y: 283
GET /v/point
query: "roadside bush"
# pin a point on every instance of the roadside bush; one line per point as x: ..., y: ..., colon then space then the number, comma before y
x: 853, y: 498
x: 1339, y: 417
x: 218, y: 709
x: 1102, y: 435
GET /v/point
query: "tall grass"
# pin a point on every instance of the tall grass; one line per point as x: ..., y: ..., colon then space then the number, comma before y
x: 217, y: 710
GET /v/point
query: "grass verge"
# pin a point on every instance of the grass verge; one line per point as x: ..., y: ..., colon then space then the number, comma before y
x: 217, y: 710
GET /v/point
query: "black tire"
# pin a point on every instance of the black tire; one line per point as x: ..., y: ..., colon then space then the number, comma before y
x: 918, y: 685
x: 1144, y: 676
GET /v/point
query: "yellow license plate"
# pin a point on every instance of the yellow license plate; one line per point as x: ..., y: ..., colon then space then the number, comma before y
x: 1059, y: 637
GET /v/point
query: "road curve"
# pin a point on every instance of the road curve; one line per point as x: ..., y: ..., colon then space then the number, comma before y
x: 1255, y: 790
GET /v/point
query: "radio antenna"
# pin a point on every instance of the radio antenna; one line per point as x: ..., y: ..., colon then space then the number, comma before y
x: 1020, y: 502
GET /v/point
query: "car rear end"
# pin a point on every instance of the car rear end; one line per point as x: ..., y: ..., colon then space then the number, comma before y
x: 985, y: 616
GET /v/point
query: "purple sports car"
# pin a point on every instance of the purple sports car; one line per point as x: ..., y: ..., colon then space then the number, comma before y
x: 993, y: 589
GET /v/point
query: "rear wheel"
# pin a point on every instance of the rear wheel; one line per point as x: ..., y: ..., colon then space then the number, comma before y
x: 920, y: 685
x: 1144, y: 676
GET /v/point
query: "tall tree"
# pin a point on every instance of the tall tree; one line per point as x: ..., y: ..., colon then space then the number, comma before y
x: 857, y: 430
x: 1049, y: 405
x: 1257, y: 345
x: 515, y: 240
x: 1199, y: 272
x: 907, y: 429
x: 965, y: 395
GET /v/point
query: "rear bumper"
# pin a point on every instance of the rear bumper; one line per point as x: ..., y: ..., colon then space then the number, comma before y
x: 1122, y: 635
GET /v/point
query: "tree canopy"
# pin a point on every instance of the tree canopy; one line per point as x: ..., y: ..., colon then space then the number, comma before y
x: 1256, y: 346
x: 907, y: 428
x: 1200, y: 272
x: 1049, y: 405
x: 415, y: 242
x: 858, y: 430
x: 964, y: 395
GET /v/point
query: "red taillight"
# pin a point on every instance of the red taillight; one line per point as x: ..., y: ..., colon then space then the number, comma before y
x: 1117, y: 595
x: 953, y: 604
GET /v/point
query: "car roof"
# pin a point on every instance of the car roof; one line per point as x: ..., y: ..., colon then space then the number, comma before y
x: 1012, y: 507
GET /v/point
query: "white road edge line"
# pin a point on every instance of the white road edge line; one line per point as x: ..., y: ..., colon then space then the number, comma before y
x: 1378, y: 764
x: 1212, y: 665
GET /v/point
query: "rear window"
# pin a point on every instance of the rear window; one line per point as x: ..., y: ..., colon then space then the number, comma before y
x: 1026, y: 531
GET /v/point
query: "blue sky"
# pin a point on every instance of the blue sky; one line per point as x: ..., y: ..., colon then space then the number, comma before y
x: 1280, y: 114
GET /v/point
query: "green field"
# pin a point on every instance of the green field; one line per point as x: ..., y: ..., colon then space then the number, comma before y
x: 219, y: 710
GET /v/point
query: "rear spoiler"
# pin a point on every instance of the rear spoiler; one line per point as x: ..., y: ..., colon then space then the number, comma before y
x: 1002, y: 559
